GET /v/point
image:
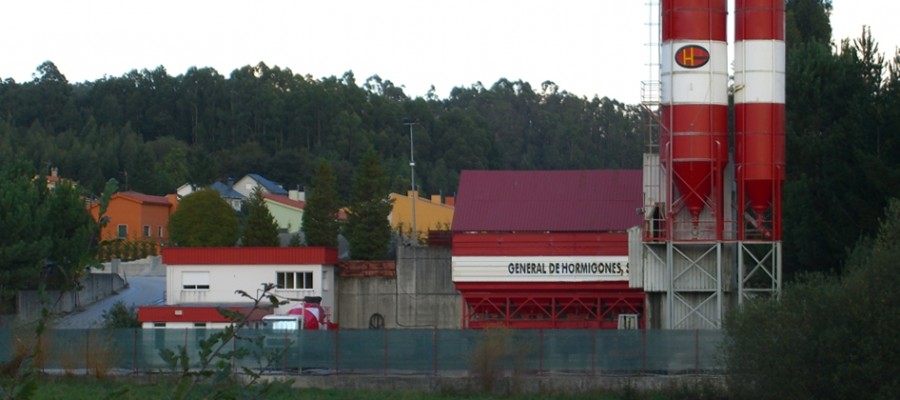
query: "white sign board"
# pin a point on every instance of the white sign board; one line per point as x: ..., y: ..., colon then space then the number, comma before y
x: 540, y: 269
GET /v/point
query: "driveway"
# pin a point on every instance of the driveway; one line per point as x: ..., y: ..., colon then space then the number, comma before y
x: 141, y: 291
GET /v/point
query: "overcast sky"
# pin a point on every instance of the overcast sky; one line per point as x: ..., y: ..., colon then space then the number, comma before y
x: 586, y: 47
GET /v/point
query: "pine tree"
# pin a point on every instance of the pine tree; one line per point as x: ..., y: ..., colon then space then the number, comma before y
x: 367, y: 220
x: 260, y: 228
x: 320, y: 224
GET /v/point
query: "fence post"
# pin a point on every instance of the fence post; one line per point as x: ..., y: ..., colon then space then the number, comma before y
x: 337, y: 353
x: 87, y: 351
x: 384, y: 335
x: 696, y: 350
x: 284, y: 353
x: 435, y: 349
x: 593, y: 351
x: 541, y: 351
x: 644, y: 350
x: 134, y: 351
x: 186, y: 349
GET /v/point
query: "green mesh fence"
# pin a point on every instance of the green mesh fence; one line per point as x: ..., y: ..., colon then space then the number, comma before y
x: 422, y: 352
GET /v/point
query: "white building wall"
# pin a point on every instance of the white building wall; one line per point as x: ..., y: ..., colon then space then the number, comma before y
x: 185, y: 325
x: 224, y: 280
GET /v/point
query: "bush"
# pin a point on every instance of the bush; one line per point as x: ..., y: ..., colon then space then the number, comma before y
x: 120, y: 316
x: 829, y: 337
x: 496, y: 353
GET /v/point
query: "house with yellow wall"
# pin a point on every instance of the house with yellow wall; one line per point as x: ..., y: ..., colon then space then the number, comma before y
x: 431, y: 214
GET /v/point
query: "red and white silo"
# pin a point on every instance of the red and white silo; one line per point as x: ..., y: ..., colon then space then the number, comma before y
x: 694, y: 113
x: 759, y: 97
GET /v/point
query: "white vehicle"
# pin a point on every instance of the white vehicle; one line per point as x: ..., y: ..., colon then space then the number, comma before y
x: 308, y: 315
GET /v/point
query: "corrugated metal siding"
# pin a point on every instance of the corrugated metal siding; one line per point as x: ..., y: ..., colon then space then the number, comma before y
x: 653, y: 268
x: 635, y: 258
x: 692, y: 311
x: 540, y: 244
x: 654, y: 184
x: 694, y: 267
x: 561, y: 201
x: 249, y: 255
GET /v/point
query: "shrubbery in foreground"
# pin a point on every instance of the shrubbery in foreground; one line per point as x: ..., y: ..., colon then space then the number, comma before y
x: 828, y: 337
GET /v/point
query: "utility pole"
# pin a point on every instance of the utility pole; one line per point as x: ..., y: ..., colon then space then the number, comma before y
x: 412, y: 175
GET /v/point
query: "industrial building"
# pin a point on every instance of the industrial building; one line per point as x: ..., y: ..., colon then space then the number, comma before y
x: 546, y: 249
x: 711, y: 236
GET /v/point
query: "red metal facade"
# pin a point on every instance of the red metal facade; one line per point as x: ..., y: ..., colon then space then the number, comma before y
x: 548, y: 201
x: 249, y: 255
x: 540, y: 244
x: 193, y: 314
x: 520, y: 214
x: 549, y: 305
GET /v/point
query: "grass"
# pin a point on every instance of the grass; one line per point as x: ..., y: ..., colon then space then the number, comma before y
x: 127, y: 389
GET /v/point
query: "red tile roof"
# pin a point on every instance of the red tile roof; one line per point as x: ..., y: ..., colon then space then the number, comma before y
x: 144, y: 198
x: 285, y: 200
x: 548, y: 201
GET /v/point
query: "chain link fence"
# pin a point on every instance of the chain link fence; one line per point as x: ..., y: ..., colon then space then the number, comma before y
x: 387, y: 352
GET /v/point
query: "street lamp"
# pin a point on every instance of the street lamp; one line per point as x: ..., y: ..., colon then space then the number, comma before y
x: 412, y: 174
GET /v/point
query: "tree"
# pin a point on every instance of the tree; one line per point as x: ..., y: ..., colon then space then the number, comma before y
x: 24, y: 217
x: 120, y: 316
x: 807, y: 21
x: 260, y: 228
x: 48, y: 237
x: 320, y: 223
x: 203, y: 219
x: 367, y: 221
x: 829, y: 336
x: 842, y: 152
x: 73, y: 235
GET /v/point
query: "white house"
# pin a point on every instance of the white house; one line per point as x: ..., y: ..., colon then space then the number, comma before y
x: 210, y: 276
x: 249, y: 182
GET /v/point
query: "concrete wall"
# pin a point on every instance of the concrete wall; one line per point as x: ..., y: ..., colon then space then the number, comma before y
x: 96, y: 287
x: 512, y: 385
x: 150, y: 266
x: 421, y: 296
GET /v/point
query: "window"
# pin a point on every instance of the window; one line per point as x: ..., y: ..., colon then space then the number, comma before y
x: 122, y: 231
x: 195, y: 280
x: 294, y: 280
x: 159, y: 232
x: 147, y: 231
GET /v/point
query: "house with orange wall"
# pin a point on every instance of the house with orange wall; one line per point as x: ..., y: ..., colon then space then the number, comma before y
x: 137, y: 216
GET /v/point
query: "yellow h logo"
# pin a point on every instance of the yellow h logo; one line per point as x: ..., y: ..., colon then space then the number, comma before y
x: 687, y: 56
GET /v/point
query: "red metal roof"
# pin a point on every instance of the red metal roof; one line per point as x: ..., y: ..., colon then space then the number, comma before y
x: 548, y: 201
x: 249, y: 255
x: 194, y: 313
